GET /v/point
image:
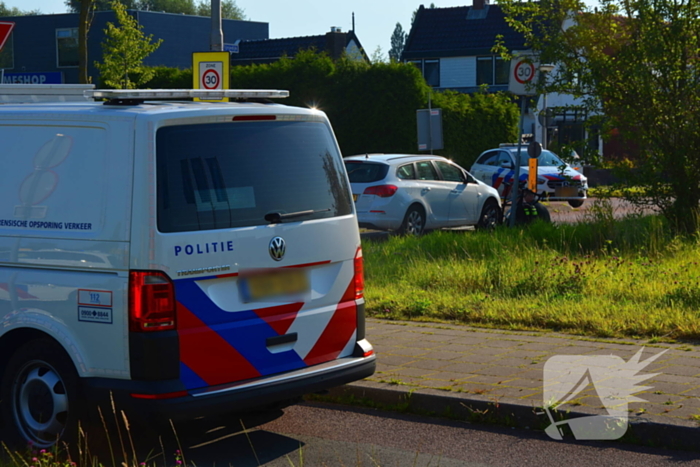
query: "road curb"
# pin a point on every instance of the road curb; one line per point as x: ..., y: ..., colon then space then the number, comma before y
x: 481, y: 410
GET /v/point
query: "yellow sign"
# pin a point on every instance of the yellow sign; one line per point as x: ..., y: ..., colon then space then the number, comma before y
x: 532, y: 174
x: 211, y: 70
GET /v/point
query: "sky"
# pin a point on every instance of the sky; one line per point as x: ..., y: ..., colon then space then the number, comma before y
x: 375, y: 20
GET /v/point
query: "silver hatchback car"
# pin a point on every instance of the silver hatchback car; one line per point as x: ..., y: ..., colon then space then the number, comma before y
x: 413, y: 193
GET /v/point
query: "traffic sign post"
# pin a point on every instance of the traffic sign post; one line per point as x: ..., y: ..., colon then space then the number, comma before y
x: 211, y: 70
x: 523, y: 75
x: 5, y: 31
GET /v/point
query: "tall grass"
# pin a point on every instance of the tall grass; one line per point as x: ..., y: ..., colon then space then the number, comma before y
x: 599, y: 277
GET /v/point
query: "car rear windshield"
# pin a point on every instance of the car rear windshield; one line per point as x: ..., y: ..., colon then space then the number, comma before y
x: 365, y: 172
x: 222, y: 175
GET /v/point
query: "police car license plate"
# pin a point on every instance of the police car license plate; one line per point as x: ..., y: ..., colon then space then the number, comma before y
x: 277, y: 283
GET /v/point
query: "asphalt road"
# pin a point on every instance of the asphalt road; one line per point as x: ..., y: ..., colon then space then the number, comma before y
x: 330, y: 435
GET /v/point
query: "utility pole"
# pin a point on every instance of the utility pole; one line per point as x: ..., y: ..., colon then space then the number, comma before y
x: 216, y: 39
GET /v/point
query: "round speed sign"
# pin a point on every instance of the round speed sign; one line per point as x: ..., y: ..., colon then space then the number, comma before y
x: 524, y: 72
x: 211, y: 79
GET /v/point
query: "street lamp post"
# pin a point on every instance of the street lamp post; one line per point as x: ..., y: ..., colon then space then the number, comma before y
x: 545, y: 69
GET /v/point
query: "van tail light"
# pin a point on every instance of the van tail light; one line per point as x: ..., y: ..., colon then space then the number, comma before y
x: 151, y: 302
x: 383, y: 191
x: 359, y: 275
x: 356, y: 288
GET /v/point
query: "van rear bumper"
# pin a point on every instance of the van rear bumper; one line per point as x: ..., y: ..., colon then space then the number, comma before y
x: 231, y: 398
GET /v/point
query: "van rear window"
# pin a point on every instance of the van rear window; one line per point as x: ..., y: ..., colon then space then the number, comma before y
x: 223, y: 175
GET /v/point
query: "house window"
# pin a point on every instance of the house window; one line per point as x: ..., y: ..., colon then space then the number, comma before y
x: 492, y: 70
x: 67, y: 47
x: 7, y: 54
x: 431, y: 72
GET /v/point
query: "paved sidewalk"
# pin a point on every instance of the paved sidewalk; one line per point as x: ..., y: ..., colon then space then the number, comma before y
x: 497, y: 376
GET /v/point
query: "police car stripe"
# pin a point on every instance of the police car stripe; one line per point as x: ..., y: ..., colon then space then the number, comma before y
x: 280, y: 318
x: 335, y: 337
x: 207, y: 354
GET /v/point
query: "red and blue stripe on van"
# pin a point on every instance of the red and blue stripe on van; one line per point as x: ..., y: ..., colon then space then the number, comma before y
x: 220, y: 347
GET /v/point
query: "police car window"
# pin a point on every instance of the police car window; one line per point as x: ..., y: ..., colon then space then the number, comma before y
x: 449, y: 172
x: 426, y: 171
x: 504, y: 159
x: 365, y: 172
x: 406, y: 172
x: 222, y: 175
x: 490, y: 158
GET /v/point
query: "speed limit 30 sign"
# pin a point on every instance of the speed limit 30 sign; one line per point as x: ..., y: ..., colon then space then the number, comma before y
x: 212, y: 70
x: 210, y: 75
x: 522, y: 76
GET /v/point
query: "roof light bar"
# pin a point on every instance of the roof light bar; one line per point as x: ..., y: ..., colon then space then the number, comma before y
x: 215, y: 94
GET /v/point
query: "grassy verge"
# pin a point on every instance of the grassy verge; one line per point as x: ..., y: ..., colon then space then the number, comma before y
x: 601, y: 277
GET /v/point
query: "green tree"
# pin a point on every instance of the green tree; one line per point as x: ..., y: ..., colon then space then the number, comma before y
x: 123, y: 51
x: 14, y: 11
x: 74, y: 6
x: 185, y: 7
x: 398, y: 40
x: 635, y: 63
x: 229, y: 9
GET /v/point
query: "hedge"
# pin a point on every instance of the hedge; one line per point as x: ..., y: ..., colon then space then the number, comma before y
x: 373, y: 107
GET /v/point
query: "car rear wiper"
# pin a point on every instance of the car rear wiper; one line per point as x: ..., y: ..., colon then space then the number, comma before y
x: 277, y: 217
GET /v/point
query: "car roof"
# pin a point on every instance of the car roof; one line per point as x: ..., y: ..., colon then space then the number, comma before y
x: 395, y: 158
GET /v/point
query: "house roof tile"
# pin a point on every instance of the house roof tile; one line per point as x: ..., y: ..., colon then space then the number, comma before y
x: 459, y: 31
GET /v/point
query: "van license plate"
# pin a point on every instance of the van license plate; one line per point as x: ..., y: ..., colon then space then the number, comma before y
x: 354, y: 197
x: 273, y: 284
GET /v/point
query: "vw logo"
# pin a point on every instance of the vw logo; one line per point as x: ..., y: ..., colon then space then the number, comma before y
x: 277, y: 248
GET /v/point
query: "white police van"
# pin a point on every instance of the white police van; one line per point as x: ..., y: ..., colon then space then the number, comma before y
x: 187, y: 258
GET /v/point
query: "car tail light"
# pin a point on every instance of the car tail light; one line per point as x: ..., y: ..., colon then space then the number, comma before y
x: 359, y: 275
x: 151, y: 302
x: 383, y: 191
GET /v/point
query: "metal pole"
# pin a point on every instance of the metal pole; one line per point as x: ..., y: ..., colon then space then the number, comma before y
x: 544, y: 123
x: 216, y: 39
x: 516, y: 177
x: 430, y: 123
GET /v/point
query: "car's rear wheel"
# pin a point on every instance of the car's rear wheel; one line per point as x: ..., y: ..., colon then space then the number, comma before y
x: 413, y: 221
x: 576, y: 203
x: 490, y: 216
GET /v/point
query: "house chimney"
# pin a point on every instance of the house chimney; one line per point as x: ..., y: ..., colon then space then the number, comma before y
x: 479, y: 4
x: 336, y: 41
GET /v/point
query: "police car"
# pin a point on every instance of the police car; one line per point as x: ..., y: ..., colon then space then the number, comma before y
x: 186, y: 258
x: 556, y: 179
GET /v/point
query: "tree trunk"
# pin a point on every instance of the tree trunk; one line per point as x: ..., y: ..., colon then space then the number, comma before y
x: 83, y: 27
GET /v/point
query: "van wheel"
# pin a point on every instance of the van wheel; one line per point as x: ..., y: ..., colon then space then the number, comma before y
x: 490, y: 216
x: 39, y: 396
x: 413, y: 222
x: 576, y: 203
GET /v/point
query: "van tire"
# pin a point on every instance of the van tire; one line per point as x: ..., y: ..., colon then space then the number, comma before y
x: 576, y: 203
x: 40, y: 376
x: 413, y: 222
